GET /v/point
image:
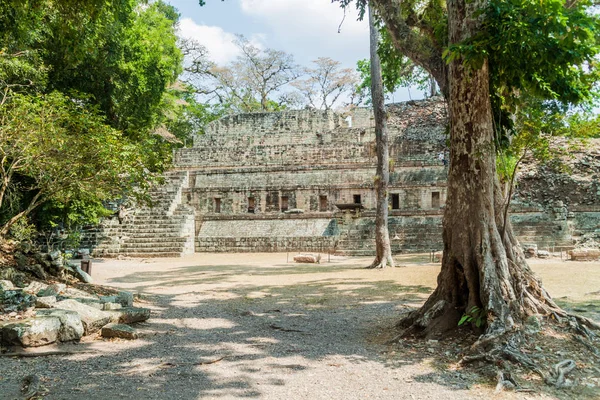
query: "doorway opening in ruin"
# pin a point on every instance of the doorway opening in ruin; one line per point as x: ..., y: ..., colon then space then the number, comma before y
x: 395, y: 201
x: 217, y: 205
x: 322, y: 203
x: 251, y: 204
x: 285, y: 203
x: 435, y: 199
x: 357, y: 199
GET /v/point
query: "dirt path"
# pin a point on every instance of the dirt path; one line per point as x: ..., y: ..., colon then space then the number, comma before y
x: 254, y: 326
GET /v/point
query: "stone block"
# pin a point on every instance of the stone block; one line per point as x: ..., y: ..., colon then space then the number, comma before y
x: 6, y: 285
x: 125, y: 299
x: 71, y: 326
x: 32, y: 332
x: 129, y: 315
x: 584, y: 254
x: 45, y: 302
x: 308, y: 258
x: 121, y: 331
x: 82, y: 275
x: 92, y: 318
x: 543, y: 254
x: 52, y: 290
x: 34, y: 287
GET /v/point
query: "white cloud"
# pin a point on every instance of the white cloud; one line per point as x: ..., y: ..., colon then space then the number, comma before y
x: 306, y: 17
x: 218, y: 42
x: 311, y: 27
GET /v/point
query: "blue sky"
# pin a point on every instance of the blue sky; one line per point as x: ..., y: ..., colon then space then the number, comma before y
x: 308, y: 29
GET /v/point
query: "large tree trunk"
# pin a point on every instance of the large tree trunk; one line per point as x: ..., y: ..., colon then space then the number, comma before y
x: 383, y: 250
x: 479, y: 267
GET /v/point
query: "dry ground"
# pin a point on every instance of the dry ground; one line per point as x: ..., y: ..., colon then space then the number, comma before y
x: 230, y: 326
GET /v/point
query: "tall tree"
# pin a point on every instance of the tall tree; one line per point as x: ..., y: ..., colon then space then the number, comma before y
x: 101, y: 69
x: 483, y: 268
x: 251, y: 82
x: 383, y: 251
x: 325, y: 83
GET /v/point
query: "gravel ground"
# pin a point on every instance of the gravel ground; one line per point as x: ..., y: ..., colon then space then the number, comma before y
x: 253, y: 326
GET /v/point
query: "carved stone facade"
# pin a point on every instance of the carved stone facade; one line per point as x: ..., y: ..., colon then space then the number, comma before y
x: 304, y: 181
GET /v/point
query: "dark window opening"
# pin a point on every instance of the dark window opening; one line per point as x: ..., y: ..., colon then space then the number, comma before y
x: 285, y: 203
x: 357, y: 199
x: 251, y: 204
x: 395, y: 201
x: 217, y: 205
x: 435, y: 199
x: 322, y: 203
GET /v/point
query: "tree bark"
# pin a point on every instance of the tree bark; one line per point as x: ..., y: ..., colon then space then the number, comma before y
x: 480, y: 268
x: 383, y: 249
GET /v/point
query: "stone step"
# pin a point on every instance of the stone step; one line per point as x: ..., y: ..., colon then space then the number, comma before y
x: 144, y: 255
x: 154, y: 236
x: 153, y: 243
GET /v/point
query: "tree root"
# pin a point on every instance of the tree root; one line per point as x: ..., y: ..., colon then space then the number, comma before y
x: 30, y: 387
x: 505, y: 381
x: 561, y: 370
x: 378, y: 264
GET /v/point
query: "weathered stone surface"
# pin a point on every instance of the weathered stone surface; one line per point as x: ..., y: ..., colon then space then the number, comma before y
x: 6, y: 285
x: 111, y: 306
x: 34, y: 287
x: 71, y: 327
x: 129, y: 315
x: 543, y: 254
x: 13, y: 300
x: 108, y: 299
x: 92, y: 318
x: 31, y: 332
x: 90, y: 302
x: 76, y: 293
x: 119, y: 331
x: 125, y: 299
x: 584, y: 254
x: 307, y: 258
x: 45, y: 302
x: 52, y: 290
x: 82, y: 275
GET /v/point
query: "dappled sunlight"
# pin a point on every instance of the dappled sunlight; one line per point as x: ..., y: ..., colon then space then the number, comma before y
x: 199, y: 323
x: 255, y: 330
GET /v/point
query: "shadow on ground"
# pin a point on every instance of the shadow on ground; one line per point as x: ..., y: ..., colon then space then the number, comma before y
x: 239, y: 331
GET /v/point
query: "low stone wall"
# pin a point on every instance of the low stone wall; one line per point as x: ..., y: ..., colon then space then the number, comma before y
x: 266, y: 244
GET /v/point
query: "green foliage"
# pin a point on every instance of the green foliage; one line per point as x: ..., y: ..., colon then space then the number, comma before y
x: 397, y: 70
x: 83, y: 87
x: 23, y: 231
x: 64, y: 152
x: 475, y: 315
x: 545, y: 49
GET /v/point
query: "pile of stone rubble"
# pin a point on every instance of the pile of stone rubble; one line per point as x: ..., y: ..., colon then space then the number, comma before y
x: 41, y: 314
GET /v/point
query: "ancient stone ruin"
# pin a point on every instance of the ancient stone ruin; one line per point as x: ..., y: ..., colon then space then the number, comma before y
x: 304, y: 181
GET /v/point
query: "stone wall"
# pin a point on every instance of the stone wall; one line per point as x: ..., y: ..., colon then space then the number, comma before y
x: 250, y: 171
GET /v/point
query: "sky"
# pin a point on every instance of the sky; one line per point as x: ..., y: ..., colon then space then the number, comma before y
x: 307, y: 29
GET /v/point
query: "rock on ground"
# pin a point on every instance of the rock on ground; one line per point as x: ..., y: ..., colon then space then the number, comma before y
x: 308, y: 258
x: 119, y: 331
x: 31, y: 332
x: 130, y: 315
x: 71, y: 326
x: 45, y: 302
x: 92, y: 318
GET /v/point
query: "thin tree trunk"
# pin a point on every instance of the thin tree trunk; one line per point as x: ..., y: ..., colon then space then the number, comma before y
x: 480, y: 268
x: 383, y: 255
x: 32, y: 205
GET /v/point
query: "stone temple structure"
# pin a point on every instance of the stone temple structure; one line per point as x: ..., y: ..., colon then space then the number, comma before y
x: 304, y: 181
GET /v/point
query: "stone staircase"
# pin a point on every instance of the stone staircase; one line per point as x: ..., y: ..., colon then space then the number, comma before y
x: 164, y: 230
